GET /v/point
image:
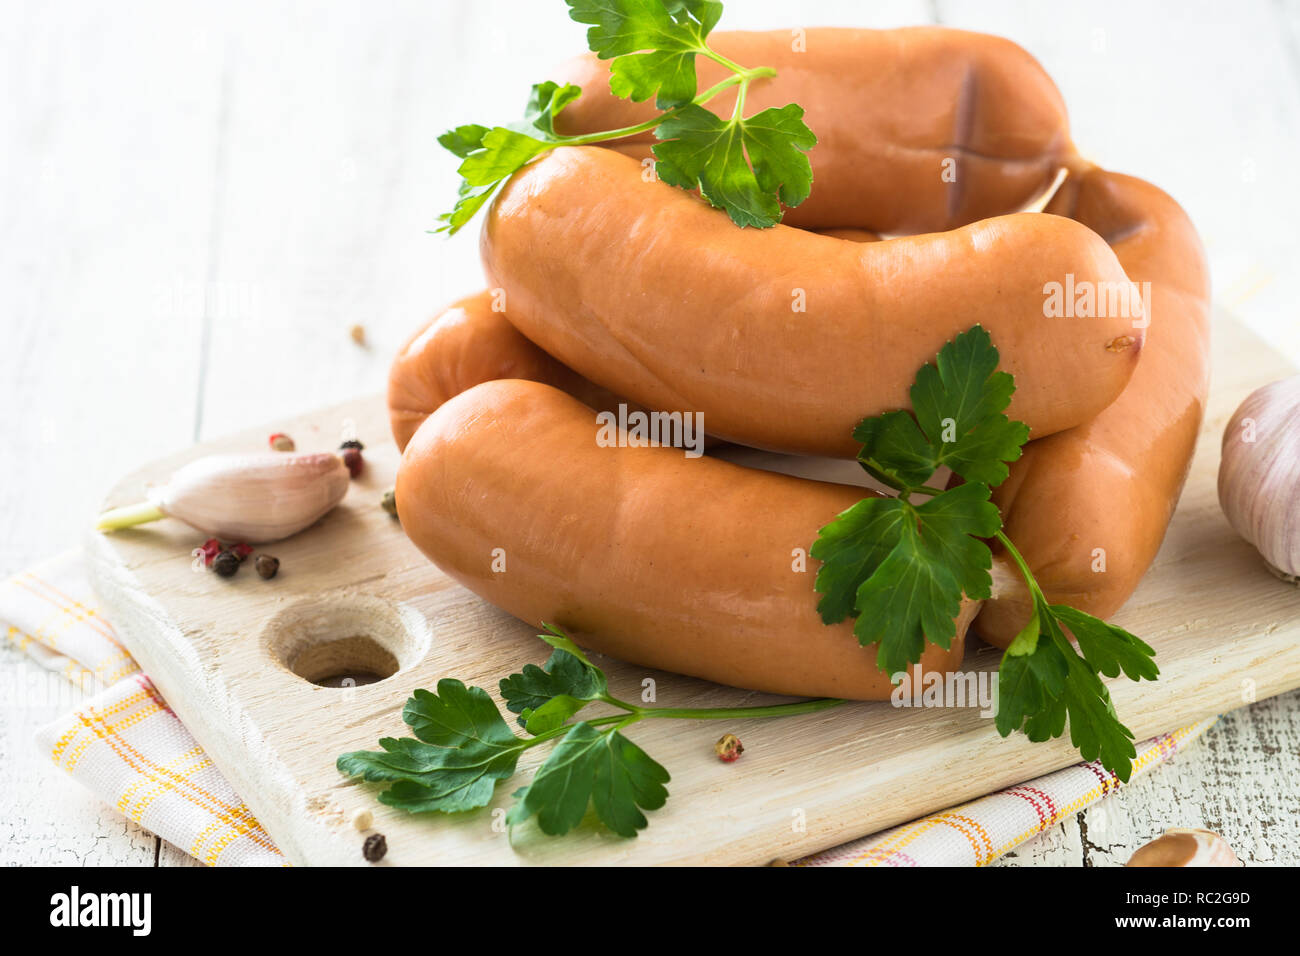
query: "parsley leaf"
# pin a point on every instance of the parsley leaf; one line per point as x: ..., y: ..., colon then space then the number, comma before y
x: 490, y: 155
x: 914, y: 594
x: 958, y: 403
x: 470, y: 201
x: 1095, y: 728
x: 653, y: 44
x: 500, y: 153
x: 1032, y: 676
x: 964, y: 395
x: 894, y: 437
x: 545, y: 699
x: 1107, y: 648
x: 1043, y: 681
x: 463, y: 749
x: 463, y: 140
x: 564, y: 674
x: 627, y: 782
x: 544, y: 104
x: 851, y: 548
x: 591, y: 766
x: 550, y: 715
x: 902, y: 568
x: 741, y: 165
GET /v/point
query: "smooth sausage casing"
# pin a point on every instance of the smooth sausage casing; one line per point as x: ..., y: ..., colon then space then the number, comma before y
x: 783, y: 338
x: 1089, y: 507
x: 918, y: 130
x: 467, y: 343
x: 639, y: 552
x: 471, y: 342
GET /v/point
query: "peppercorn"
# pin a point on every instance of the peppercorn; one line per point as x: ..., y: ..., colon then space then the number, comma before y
x: 242, y: 551
x: 358, y: 334
x: 281, y: 442
x: 728, y: 748
x: 389, y: 502
x: 374, y: 848
x: 211, y: 548
x: 266, y: 566
x: 226, y: 563
x: 352, y: 443
x: 352, y: 458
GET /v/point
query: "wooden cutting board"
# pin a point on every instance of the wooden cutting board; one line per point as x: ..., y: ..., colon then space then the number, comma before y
x: 353, y: 594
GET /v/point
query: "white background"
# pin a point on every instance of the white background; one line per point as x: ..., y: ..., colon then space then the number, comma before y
x: 198, y: 200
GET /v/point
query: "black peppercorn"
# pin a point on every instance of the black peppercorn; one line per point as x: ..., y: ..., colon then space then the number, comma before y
x: 226, y: 563
x: 266, y: 566
x: 352, y: 443
x: 374, y: 848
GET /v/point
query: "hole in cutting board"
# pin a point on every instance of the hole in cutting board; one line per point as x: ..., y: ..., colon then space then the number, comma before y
x: 346, y: 640
x: 346, y: 662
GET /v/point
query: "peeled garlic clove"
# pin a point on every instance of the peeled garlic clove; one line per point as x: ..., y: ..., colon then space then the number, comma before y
x: 253, y: 498
x: 1184, y: 847
x: 1259, y: 474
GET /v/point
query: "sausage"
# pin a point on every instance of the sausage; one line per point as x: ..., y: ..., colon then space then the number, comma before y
x: 918, y: 130
x: 471, y: 342
x: 1112, y: 484
x: 639, y: 552
x: 468, y: 343
x: 646, y: 290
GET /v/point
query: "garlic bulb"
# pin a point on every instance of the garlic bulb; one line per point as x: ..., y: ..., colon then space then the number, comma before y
x: 251, y: 498
x: 1259, y: 475
x: 1180, y: 847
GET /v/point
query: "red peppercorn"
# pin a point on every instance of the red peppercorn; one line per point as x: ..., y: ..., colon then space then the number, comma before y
x: 242, y: 550
x: 211, y: 548
x: 352, y: 458
x: 729, y: 748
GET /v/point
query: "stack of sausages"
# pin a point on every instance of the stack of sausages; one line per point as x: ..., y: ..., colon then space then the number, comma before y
x: 609, y: 288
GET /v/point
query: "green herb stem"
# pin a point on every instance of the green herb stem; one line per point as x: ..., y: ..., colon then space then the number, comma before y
x: 726, y: 713
x: 729, y: 63
x: 927, y: 490
x: 129, y: 516
x: 633, y: 714
x: 608, y: 134
x: 1023, y: 565
x: 566, y: 727
x: 742, y: 78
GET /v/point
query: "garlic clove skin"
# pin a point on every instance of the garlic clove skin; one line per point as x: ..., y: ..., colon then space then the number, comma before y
x: 1259, y: 474
x: 254, y: 498
x: 1185, y: 847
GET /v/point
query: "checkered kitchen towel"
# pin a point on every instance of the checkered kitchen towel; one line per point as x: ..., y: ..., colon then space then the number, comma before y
x: 127, y: 747
x: 124, y: 743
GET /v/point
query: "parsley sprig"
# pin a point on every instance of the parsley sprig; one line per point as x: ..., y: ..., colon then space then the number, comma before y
x: 748, y: 165
x: 901, y: 567
x: 463, y: 747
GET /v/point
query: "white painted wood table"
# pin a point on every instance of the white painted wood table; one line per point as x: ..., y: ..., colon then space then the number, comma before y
x: 198, y: 200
